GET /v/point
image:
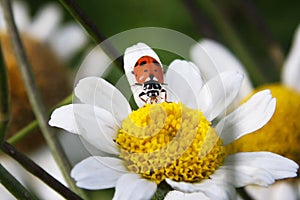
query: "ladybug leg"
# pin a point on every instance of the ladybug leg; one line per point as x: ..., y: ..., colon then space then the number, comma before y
x: 143, y: 96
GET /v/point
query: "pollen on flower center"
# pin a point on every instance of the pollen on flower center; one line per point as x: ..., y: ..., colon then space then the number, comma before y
x: 281, y: 134
x: 169, y: 140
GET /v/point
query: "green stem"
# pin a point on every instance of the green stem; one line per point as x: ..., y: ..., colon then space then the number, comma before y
x: 202, y: 23
x: 35, y: 97
x: 37, y: 171
x: 23, y: 132
x: 14, y: 186
x: 4, y: 99
x: 34, y: 124
x: 72, y: 7
x: 232, y: 38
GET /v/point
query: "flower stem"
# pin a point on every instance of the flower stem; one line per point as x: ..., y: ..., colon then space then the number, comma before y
x: 92, y: 29
x: 36, y: 170
x: 14, y: 186
x: 34, y: 124
x: 35, y: 97
x: 4, y: 99
x: 201, y: 21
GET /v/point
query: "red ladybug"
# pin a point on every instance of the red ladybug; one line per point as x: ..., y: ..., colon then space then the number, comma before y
x: 149, y: 74
x: 146, y: 69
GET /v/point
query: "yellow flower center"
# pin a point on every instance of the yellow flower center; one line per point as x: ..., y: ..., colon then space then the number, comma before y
x: 281, y: 134
x: 169, y: 140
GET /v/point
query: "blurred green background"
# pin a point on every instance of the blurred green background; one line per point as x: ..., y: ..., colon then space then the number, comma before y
x: 259, y: 25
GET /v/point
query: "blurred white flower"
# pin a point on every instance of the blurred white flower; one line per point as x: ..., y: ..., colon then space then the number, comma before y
x: 280, y: 135
x: 46, y: 26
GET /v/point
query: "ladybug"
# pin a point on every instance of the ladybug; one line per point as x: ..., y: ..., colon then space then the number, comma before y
x: 147, y: 68
x: 149, y: 74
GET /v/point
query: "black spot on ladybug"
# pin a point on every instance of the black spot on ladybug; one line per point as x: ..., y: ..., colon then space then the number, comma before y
x: 136, y: 64
x: 145, y: 70
x: 143, y: 63
x: 155, y: 70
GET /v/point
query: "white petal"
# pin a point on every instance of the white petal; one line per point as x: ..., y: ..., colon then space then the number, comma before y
x: 131, y: 56
x: 279, y: 166
x: 46, y: 21
x: 96, y: 62
x: 291, y: 67
x: 64, y: 118
x: 98, y: 92
x: 214, y: 189
x: 133, y: 53
x: 98, y: 172
x: 284, y: 190
x: 184, y: 80
x: 182, y: 186
x: 177, y: 195
x: 218, y: 93
x: 261, y: 168
x: 217, y: 189
x: 249, y: 117
x: 213, y: 58
x: 279, y: 190
x: 94, y: 124
x: 68, y: 40
x: 133, y: 187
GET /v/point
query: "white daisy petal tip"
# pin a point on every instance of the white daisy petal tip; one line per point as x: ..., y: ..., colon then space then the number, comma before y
x: 213, y: 58
x: 258, y: 168
x: 247, y: 118
x: 218, y: 93
x: 184, y: 82
x: 98, y: 172
x: 132, y: 187
x: 63, y: 118
x: 96, y: 125
x: 177, y: 195
x: 98, y: 92
x: 133, y: 53
x: 182, y: 186
x: 291, y: 67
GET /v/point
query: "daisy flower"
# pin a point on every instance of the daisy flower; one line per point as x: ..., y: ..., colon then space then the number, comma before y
x: 175, y: 141
x: 282, y: 133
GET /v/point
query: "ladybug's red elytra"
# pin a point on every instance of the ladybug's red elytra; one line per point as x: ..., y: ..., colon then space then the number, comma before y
x: 147, y: 68
x: 149, y: 74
